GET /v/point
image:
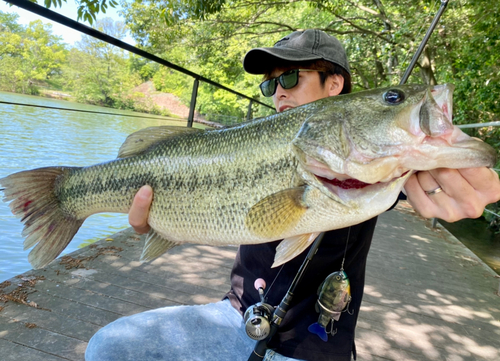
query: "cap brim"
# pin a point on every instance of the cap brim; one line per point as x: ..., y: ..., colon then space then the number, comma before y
x: 261, y: 60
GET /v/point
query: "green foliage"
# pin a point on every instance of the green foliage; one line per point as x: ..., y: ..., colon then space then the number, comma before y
x: 145, y: 68
x: 32, y: 58
x: 380, y: 39
x: 87, y: 9
x: 475, y: 67
x: 8, y: 23
x: 98, y: 72
x: 211, y: 37
x: 173, y: 11
x: 170, y: 81
x: 176, y: 10
x: 28, y: 55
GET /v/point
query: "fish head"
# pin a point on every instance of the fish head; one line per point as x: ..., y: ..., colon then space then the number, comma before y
x: 381, y: 136
x: 336, y: 281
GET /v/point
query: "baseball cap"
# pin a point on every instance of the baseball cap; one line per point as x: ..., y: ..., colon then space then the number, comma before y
x: 307, y: 45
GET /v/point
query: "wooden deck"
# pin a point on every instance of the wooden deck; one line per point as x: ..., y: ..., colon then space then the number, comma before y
x: 427, y: 297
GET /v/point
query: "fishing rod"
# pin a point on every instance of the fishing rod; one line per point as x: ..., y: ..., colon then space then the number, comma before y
x: 265, y: 311
x: 274, y: 318
x: 417, y: 54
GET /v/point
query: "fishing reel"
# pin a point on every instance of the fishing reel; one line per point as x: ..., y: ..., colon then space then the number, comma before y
x: 258, y: 317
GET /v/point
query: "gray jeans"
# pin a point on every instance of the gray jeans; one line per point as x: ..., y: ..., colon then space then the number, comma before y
x: 184, y: 333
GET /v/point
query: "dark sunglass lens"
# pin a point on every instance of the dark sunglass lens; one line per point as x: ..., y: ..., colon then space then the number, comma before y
x: 268, y: 87
x: 289, y: 79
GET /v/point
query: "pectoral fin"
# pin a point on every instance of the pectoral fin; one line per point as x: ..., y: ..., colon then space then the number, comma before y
x: 155, y: 246
x: 291, y: 247
x: 277, y: 213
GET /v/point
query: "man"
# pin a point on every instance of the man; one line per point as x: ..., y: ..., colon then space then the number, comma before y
x: 301, y: 68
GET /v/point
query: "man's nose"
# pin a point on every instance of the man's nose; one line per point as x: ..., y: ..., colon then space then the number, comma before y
x: 280, y: 92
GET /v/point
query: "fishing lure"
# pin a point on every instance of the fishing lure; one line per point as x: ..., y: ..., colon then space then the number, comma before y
x: 334, y: 298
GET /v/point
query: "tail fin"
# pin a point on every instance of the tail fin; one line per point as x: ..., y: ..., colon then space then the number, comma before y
x: 34, y: 200
x: 319, y: 330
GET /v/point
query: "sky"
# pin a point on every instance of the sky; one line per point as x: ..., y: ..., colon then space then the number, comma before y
x: 68, y: 9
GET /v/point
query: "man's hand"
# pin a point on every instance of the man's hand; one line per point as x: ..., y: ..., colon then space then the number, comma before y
x: 139, y: 212
x: 465, y: 192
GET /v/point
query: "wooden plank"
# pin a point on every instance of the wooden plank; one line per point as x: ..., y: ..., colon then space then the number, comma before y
x: 43, y: 340
x: 76, y: 298
x: 121, y: 294
x: 10, y: 351
x: 402, y: 324
x: 84, y: 297
x: 52, y: 321
x: 426, y: 297
x: 404, y: 281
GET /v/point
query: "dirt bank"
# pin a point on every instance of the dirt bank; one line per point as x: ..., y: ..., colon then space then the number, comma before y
x: 165, y: 101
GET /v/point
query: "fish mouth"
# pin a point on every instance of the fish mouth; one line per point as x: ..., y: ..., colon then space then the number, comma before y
x: 341, y: 186
x: 336, y: 182
x: 349, y: 183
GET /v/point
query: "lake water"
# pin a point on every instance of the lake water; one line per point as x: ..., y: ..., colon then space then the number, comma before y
x: 474, y: 234
x: 32, y: 137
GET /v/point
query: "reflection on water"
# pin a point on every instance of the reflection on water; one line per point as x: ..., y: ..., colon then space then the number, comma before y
x: 33, y: 137
x: 480, y: 240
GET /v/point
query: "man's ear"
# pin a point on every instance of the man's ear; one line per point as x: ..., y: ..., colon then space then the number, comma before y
x: 335, y: 84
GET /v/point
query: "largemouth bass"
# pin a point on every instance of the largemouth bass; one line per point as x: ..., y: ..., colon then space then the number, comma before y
x: 325, y: 165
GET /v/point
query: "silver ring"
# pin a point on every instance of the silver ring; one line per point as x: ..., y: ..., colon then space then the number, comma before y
x: 434, y: 191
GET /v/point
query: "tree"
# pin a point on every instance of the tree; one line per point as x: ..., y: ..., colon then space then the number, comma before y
x: 28, y: 55
x: 173, y: 10
x: 475, y: 65
x: 87, y: 9
x: 99, y: 72
x: 8, y: 23
x: 380, y: 38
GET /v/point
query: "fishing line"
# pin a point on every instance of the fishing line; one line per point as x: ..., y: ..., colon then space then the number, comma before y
x: 82, y: 110
x: 345, y: 251
x: 275, y: 278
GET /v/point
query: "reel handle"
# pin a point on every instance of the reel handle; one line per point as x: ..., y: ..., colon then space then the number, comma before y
x: 260, y: 286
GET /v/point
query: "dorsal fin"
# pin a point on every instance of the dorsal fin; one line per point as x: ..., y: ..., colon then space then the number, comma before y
x: 138, y: 142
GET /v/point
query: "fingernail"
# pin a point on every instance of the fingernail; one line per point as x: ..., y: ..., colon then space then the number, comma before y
x: 145, y: 192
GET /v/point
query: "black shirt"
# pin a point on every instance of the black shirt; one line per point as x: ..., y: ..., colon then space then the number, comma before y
x: 293, y: 339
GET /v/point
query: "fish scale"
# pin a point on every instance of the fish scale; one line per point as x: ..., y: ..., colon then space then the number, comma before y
x: 264, y: 180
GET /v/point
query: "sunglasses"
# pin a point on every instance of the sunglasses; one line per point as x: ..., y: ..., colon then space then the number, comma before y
x: 287, y: 80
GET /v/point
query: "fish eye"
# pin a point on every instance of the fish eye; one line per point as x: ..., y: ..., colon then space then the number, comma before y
x: 394, y: 96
